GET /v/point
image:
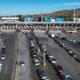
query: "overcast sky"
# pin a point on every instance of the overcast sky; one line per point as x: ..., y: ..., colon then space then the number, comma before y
x: 10, y: 7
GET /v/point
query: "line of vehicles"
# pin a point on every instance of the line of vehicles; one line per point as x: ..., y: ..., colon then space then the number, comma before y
x: 69, y: 51
x: 58, y: 68
x: 36, y: 60
x: 3, y: 53
x: 66, y: 48
x: 33, y: 53
x: 49, y: 57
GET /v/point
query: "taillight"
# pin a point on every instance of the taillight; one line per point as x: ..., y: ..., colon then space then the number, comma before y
x: 60, y: 70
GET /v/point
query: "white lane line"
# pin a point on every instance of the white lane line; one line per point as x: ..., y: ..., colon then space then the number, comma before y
x: 6, y: 70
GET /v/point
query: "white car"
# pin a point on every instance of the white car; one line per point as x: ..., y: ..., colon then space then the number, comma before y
x: 3, y: 46
x: 0, y: 66
x: 45, y: 78
x: 52, y: 59
x: 36, y: 61
x: 74, y: 41
x: 2, y: 57
x: 52, y: 35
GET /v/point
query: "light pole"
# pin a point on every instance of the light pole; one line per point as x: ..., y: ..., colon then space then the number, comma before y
x: 44, y: 56
x: 44, y: 59
x: 41, y: 14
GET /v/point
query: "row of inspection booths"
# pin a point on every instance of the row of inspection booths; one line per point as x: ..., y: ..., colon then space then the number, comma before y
x: 67, y: 26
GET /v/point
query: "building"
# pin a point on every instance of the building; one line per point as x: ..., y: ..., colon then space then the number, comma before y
x: 59, y: 19
x: 28, y: 19
x: 9, y: 19
x: 47, y: 19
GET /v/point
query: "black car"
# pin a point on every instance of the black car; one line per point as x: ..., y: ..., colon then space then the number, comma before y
x: 77, y: 58
x: 72, y: 53
x: 42, y: 74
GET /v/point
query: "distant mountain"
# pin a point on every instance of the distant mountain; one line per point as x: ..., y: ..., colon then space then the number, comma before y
x: 66, y: 14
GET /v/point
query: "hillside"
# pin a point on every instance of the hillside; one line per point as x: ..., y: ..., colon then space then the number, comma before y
x: 67, y: 14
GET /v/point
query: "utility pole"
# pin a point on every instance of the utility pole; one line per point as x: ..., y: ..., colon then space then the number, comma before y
x: 15, y: 19
x: 44, y: 56
x: 41, y: 17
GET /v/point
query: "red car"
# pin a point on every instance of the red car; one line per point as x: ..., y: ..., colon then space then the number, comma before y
x: 59, y: 69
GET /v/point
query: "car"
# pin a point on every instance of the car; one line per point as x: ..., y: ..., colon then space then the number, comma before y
x: 30, y: 38
x: 42, y: 74
x: 52, y: 35
x: 71, y: 53
x: 34, y: 49
x: 74, y: 41
x: 61, y: 44
x: 4, y: 46
x: 70, y: 40
x: 3, y: 49
x: 77, y: 58
x: 65, y: 76
x: 63, y: 38
x: 36, y: 61
x: 3, y: 57
x: 3, y: 54
x: 68, y: 50
x: 55, y: 39
x: 0, y: 66
x: 59, y: 69
x: 58, y: 42
x: 78, y: 42
x: 21, y: 63
x: 44, y: 48
x: 32, y: 44
x: 33, y: 54
x: 51, y: 59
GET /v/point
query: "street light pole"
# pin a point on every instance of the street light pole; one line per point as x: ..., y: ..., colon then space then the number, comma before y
x: 42, y: 17
x: 44, y: 56
x: 44, y: 59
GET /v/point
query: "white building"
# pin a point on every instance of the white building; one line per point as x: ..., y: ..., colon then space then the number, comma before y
x: 12, y: 19
x: 53, y: 20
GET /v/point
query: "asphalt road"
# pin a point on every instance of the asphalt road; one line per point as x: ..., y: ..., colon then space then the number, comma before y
x: 67, y: 62
x: 73, y: 36
x: 24, y: 71
x: 51, y: 73
x: 9, y: 63
x: 28, y: 71
x: 73, y: 46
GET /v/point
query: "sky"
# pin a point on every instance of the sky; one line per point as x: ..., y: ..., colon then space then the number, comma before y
x: 13, y: 7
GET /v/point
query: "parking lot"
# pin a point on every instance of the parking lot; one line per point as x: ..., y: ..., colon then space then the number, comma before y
x: 41, y: 57
x: 7, y: 56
